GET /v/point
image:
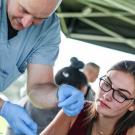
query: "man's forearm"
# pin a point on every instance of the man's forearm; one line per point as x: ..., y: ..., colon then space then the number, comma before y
x: 43, y: 95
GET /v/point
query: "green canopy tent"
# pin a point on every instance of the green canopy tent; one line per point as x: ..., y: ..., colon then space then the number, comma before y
x: 108, y: 23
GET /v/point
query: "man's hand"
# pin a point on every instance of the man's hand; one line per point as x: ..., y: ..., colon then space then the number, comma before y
x: 18, y: 119
x: 70, y: 99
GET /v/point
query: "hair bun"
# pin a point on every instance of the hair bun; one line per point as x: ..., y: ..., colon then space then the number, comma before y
x: 75, y: 63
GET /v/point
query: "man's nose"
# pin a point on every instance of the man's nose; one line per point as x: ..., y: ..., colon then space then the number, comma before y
x: 108, y: 95
x: 27, y: 20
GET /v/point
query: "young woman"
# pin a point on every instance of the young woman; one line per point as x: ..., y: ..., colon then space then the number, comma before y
x: 113, y: 112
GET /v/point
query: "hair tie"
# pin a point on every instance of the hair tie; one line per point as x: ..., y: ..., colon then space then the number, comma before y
x: 65, y: 74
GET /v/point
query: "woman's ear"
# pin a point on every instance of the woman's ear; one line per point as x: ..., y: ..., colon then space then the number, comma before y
x: 132, y: 107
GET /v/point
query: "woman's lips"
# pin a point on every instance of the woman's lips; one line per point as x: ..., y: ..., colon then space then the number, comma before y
x: 103, y: 104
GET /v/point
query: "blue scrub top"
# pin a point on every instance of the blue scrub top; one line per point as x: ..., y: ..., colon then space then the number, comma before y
x: 38, y: 44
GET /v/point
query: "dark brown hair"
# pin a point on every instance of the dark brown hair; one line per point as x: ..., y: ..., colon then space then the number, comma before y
x: 72, y: 75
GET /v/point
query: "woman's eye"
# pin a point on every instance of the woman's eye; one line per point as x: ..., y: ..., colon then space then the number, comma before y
x: 122, y: 95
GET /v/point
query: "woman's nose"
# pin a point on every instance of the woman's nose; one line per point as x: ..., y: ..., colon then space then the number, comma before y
x: 108, y: 95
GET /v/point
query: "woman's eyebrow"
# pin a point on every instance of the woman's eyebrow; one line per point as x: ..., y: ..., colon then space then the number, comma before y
x: 119, y: 88
x: 125, y: 91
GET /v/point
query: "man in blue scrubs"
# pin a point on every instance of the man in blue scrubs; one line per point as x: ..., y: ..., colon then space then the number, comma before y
x: 30, y: 38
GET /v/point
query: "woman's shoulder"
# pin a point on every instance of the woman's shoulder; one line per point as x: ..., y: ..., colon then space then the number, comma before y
x: 80, y: 124
x: 80, y: 117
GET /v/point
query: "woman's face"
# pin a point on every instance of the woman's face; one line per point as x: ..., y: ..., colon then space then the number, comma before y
x: 123, y: 86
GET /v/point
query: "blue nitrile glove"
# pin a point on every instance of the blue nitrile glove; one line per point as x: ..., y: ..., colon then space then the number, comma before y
x: 18, y: 119
x: 70, y: 99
